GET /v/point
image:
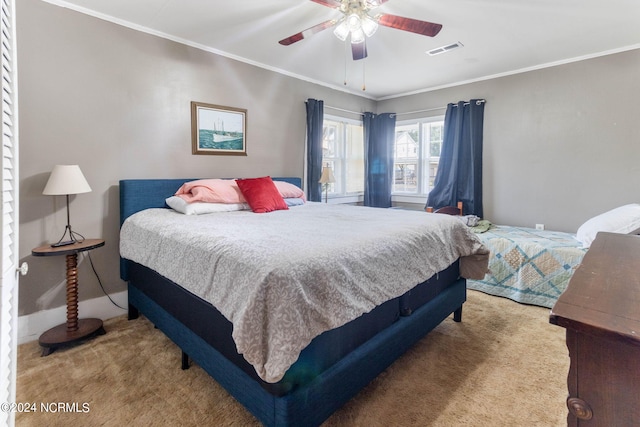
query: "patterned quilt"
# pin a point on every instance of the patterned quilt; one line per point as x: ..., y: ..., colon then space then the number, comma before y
x: 527, y: 265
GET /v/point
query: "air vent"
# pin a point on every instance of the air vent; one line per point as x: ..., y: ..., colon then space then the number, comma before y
x: 443, y: 49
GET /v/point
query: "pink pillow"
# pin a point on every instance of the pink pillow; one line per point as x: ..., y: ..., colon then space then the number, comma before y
x: 261, y: 194
x: 289, y: 191
x: 211, y: 191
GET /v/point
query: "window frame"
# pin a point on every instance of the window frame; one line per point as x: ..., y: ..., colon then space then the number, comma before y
x: 342, y: 196
x: 422, y: 163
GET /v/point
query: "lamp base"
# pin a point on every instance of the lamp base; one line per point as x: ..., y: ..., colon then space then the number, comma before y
x: 73, y: 238
x: 65, y: 243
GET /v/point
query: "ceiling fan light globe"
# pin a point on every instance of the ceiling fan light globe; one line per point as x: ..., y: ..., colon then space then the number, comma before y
x: 354, y: 22
x: 369, y: 26
x: 357, y: 36
x: 342, y: 30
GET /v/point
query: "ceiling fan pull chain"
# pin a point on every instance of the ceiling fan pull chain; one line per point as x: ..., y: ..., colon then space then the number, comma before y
x: 345, y: 63
x: 364, y: 86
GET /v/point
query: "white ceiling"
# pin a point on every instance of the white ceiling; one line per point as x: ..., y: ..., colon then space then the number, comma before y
x: 499, y: 37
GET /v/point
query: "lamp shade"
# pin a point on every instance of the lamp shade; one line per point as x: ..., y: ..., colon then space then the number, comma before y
x: 327, y: 176
x: 66, y: 179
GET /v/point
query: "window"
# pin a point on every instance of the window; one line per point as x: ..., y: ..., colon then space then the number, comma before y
x: 416, y: 155
x: 343, y: 151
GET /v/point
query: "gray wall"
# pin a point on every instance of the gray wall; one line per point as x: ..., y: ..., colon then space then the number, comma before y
x: 117, y: 102
x: 561, y: 144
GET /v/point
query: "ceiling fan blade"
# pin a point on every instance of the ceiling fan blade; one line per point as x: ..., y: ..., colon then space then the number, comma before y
x: 307, y: 33
x: 329, y: 3
x: 407, y: 24
x: 359, y: 50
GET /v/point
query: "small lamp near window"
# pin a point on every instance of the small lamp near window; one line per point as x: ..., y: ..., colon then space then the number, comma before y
x: 66, y: 180
x: 325, y: 179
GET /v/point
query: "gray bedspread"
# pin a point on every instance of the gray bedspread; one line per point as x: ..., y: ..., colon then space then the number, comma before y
x: 284, y: 277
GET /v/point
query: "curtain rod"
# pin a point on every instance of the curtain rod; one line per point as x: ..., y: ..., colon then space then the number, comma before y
x: 478, y: 102
x: 421, y: 111
x: 342, y: 109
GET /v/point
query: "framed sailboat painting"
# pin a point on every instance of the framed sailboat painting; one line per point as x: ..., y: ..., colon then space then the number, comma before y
x: 218, y: 130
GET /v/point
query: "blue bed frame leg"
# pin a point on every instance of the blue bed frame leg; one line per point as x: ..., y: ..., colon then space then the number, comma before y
x: 133, y: 312
x: 457, y: 315
x: 185, y: 361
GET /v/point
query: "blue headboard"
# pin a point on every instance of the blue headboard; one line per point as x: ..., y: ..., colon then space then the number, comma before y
x: 139, y: 194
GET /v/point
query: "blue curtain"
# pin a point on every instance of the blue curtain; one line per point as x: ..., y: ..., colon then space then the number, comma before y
x: 379, y: 133
x: 459, y: 176
x: 315, y: 122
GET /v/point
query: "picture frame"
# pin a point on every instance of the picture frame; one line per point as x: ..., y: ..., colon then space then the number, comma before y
x: 218, y: 130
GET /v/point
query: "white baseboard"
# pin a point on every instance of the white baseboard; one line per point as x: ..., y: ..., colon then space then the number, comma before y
x: 31, y: 326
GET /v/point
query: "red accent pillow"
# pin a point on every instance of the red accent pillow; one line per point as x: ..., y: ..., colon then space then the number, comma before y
x: 261, y: 194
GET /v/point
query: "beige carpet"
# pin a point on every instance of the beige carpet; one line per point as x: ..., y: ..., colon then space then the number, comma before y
x: 504, y: 365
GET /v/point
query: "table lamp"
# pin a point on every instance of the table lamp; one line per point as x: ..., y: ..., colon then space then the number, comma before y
x: 66, y: 180
x: 325, y: 179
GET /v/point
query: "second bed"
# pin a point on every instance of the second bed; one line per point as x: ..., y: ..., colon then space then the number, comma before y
x: 528, y: 265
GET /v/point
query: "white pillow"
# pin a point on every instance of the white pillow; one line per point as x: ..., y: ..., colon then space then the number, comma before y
x: 197, y: 208
x: 294, y: 201
x: 624, y: 219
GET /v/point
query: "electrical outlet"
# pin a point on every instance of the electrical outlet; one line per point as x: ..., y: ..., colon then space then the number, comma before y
x: 539, y: 226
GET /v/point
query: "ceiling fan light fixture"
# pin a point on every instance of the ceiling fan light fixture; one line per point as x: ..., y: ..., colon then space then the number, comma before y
x: 357, y: 36
x: 369, y: 25
x: 342, y: 30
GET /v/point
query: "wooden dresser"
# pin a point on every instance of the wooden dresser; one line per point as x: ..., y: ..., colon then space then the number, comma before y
x: 600, y: 310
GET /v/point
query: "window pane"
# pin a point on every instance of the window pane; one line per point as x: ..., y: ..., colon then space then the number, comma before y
x: 343, y: 151
x: 330, y: 135
x: 355, y: 159
x: 407, y: 152
x: 433, y: 139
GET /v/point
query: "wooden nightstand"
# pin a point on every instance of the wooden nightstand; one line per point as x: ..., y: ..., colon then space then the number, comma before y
x: 74, y: 329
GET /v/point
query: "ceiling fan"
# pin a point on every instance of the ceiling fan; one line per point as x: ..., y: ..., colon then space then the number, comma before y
x: 357, y: 23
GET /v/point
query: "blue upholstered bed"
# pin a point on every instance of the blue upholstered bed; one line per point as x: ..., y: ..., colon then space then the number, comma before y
x: 320, y: 381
